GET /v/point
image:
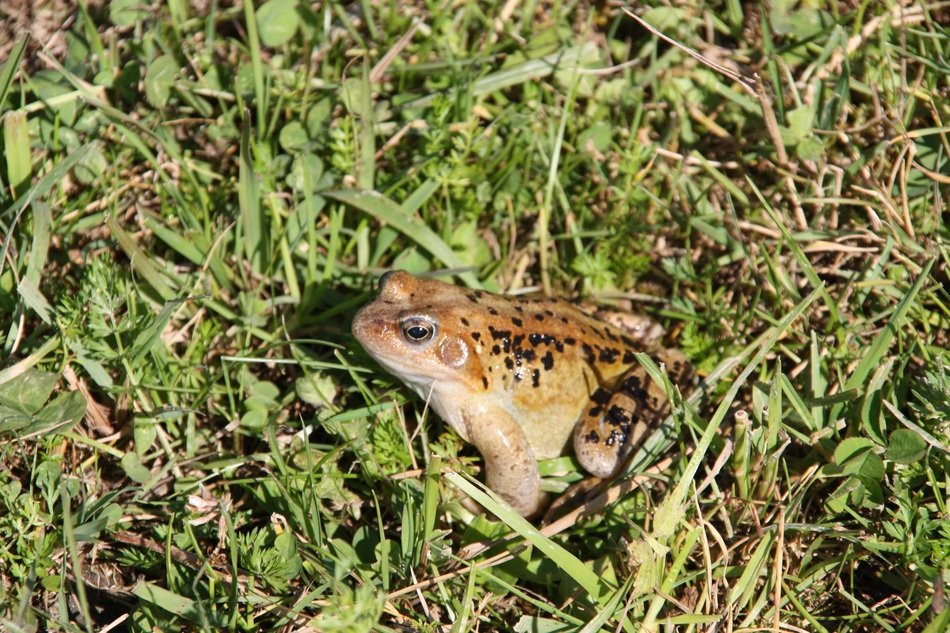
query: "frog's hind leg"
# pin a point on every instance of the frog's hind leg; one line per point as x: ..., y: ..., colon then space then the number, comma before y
x: 678, y: 368
x: 614, y: 424
x: 619, y: 420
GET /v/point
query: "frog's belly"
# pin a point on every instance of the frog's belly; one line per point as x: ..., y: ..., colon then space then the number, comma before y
x: 548, y: 416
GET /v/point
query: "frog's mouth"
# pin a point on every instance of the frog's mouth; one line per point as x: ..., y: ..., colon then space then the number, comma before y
x: 421, y: 384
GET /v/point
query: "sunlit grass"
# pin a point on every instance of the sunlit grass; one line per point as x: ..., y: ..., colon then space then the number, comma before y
x: 196, y: 200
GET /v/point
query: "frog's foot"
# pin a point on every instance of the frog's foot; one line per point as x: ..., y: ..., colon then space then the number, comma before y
x: 577, y: 495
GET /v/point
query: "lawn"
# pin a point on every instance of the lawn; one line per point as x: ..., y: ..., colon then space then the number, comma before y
x: 196, y: 198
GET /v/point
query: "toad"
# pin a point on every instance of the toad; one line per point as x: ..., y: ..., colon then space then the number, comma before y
x: 520, y: 378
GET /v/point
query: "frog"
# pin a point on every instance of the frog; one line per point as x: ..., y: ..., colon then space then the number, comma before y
x: 522, y: 378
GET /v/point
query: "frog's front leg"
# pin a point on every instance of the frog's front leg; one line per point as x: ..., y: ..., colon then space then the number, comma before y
x: 618, y: 420
x: 511, y: 468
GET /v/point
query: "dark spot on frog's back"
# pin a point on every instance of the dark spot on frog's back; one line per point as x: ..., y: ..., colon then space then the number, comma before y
x: 493, y: 311
x: 538, y: 317
x: 608, y: 355
x: 517, y: 322
x: 548, y: 361
x: 476, y: 336
x: 464, y: 321
x: 536, y: 339
x: 535, y: 377
x: 633, y: 386
x: 628, y: 357
x: 499, y: 334
x: 617, y: 416
x: 485, y: 381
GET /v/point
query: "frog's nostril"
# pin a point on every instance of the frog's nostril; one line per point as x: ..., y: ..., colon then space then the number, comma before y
x: 365, y: 323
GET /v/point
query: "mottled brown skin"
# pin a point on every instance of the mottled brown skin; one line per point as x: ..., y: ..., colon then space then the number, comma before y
x: 518, y: 377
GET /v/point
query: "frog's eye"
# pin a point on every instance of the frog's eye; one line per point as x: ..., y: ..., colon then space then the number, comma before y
x: 418, y: 330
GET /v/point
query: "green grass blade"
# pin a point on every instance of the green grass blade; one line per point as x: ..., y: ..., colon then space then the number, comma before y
x: 191, y: 247
x: 141, y: 263
x: 152, y: 334
x: 75, y: 560
x: 574, y: 567
x: 33, y: 297
x: 672, y: 508
x: 178, y: 241
x: 34, y: 359
x: 530, y: 70
x: 385, y: 210
x: 257, y: 66
x: 9, y: 68
x: 419, y: 197
x: 249, y: 201
x: 29, y: 286
x: 42, y: 221
x: 834, y: 316
x: 366, y: 169
x: 610, y: 610
x: 879, y: 346
x: 752, y: 570
x: 46, y: 183
x: 16, y: 150
x: 169, y: 601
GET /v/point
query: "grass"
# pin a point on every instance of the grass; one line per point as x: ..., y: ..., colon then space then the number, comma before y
x: 196, y: 198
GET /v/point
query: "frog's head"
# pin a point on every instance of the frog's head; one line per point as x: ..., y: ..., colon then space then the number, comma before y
x: 416, y: 330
